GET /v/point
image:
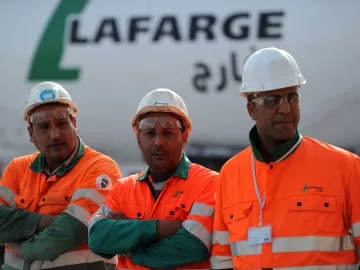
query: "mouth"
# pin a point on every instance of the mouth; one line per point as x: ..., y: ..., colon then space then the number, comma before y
x: 284, y: 122
x: 284, y: 125
x: 57, y: 145
x: 159, y: 154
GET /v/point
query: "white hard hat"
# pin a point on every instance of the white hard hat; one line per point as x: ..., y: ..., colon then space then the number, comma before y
x: 269, y: 69
x: 162, y: 100
x: 48, y: 92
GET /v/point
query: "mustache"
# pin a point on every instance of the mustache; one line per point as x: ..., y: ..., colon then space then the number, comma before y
x: 54, y: 143
x: 283, y: 118
x: 159, y: 150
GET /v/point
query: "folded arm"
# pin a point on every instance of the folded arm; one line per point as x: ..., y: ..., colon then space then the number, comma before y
x: 190, y: 244
x: 109, y: 237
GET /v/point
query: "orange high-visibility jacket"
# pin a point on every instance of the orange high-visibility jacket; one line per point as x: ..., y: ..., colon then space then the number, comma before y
x: 312, y: 202
x: 78, y: 189
x: 188, y: 195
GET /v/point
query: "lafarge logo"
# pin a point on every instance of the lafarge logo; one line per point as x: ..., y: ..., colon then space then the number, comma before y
x: 46, y: 62
x: 68, y: 27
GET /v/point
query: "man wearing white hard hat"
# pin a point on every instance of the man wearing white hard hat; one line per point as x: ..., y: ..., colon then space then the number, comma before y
x: 288, y: 201
x: 47, y: 197
x: 161, y: 217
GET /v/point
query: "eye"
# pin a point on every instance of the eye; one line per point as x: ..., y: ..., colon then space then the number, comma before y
x: 272, y: 100
x: 62, y: 124
x: 150, y: 133
x: 172, y: 131
x: 293, y: 98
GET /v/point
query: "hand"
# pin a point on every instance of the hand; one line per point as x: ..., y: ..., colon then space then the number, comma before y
x: 167, y: 228
x: 116, y: 216
x: 16, y: 248
x: 45, y: 221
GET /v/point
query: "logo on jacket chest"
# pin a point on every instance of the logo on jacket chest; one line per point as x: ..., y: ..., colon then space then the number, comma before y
x: 178, y: 192
x: 312, y: 188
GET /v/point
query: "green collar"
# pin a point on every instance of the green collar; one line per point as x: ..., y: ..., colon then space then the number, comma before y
x: 281, y: 152
x: 182, y: 169
x: 38, y: 165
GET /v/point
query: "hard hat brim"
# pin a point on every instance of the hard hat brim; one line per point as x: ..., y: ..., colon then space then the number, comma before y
x: 265, y: 88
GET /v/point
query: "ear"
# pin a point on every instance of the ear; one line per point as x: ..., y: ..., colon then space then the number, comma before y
x: 30, y: 131
x: 185, y: 136
x: 138, y: 140
x: 73, y: 120
x: 251, y: 108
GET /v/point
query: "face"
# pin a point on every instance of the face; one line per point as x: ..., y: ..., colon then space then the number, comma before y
x: 161, y: 140
x: 276, y: 113
x: 53, y: 132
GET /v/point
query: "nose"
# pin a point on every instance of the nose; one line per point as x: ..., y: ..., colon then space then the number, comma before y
x: 159, y: 140
x: 284, y: 106
x: 54, y: 133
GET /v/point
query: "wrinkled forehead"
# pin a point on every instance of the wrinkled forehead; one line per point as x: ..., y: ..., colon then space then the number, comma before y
x: 46, y: 114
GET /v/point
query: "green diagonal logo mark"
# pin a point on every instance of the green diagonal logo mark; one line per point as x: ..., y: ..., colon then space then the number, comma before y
x: 46, y: 62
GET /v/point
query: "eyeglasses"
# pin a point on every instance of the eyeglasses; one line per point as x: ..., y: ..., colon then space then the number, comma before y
x: 271, y: 102
x: 165, y: 122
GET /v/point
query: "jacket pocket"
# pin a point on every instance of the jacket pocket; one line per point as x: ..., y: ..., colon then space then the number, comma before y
x: 133, y: 210
x: 237, y: 219
x: 53, y: 203
x: 312, y: 203
x: 178, y: 210
x: 23, y: 201
x: 309, y: 215
x: 237, y: 212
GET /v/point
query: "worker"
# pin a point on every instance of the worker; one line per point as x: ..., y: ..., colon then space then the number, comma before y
x: 287, y: 201
x: 47, y: 197
x: 161, y: 217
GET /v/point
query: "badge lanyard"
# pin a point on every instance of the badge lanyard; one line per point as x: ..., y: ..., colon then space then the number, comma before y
x: 260, y: 234
x: 261, y: 202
